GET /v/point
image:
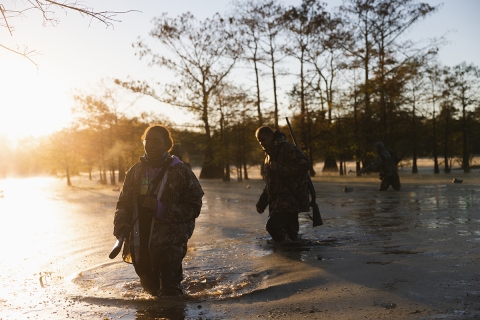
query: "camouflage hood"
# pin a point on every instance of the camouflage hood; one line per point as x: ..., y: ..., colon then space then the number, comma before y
x: 279, y: 138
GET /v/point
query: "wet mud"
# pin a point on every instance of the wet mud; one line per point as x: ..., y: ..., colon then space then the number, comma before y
x: 412, y: 254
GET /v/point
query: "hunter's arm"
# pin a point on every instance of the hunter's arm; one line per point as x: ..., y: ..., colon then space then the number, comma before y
x: 375, y: 163
x: 262, y: 202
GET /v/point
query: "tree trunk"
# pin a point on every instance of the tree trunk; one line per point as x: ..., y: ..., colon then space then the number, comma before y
x: 272, y: 56
x: 210, y: 169
x: 436, y: 169
x: 310, y: 148
x: 466, y: 158
x: 239, y: 174
x: 245, y: 172
x: 414, y: 165
x: 445, y: 151
x: 330, y: 164
x: 226, y: 176
x: 67, y: 170
x: 121, y: 169
x: 257, y: 79
x: 113, y: 180
x: 357, y: 148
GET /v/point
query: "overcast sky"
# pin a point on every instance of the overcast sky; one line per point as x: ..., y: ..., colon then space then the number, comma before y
x: 78, y: 53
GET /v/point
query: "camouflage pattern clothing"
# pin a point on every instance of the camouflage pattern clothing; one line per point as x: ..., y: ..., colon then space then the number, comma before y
x: 158, y: 240
x: 386, y: 161
x: 286, y: 189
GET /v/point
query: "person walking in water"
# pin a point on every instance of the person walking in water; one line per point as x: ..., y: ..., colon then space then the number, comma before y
x: 286, y: 185
x: 158, y: 205
x: 386, y: 161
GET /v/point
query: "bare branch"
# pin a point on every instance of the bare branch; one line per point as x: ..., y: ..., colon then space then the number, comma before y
x: 2, y: 9
x: 46, y: 8
x: 26, y: 54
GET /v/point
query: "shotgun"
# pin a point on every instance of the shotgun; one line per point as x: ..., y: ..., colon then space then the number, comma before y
x: 317, y: 218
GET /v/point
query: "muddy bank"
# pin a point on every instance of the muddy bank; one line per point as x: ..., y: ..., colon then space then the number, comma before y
x: 412, y: 254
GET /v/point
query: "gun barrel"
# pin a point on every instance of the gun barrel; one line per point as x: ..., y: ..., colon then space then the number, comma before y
x: 317, y: 218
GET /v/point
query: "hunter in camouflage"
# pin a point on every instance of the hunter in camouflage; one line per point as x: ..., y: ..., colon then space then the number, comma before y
x: 286, y: 185
x: 159, y: 202
x: 386, y: 161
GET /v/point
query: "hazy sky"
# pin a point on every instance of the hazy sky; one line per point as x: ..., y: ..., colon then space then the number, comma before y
x: 77, y: 54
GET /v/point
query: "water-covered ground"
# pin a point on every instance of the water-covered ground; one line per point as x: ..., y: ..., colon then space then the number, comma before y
x: 412, y: 254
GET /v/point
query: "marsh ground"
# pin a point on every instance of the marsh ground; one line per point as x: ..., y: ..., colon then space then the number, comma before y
x: 413, y: 254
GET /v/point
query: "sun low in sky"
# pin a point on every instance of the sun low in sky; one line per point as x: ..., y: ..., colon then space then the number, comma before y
x: 77, y: 54
x: 35, y: 103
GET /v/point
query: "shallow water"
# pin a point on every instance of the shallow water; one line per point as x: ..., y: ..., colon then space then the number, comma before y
x: 56, y: 241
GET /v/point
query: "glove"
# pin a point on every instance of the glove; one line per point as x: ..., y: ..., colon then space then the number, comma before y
x: 262, y: 203
x: 119, y: 222
x: 259, y: 210
x: 260, y: 207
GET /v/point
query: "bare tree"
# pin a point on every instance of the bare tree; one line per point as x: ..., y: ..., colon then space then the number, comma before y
x: 359, y: 14
x: 93, y: 113
x: 269, y: 14
x: 232, y: 103
x: 61, y: 151
x: 248, y: 19
x: 376, y: 29
x: 414, y: 86
x: 433, y: 76
x: 464, y: 84
x: 302, y: 24
x: 19, y: 10
x: 201, y: 55
x: 392, y: 18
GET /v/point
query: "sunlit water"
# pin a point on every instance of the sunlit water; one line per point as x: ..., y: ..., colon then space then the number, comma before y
x: 55, y: 241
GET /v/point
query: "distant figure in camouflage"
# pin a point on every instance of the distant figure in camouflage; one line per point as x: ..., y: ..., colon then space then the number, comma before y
x: 387, y: 161
x: 158, y: 204
x: 286, y: 185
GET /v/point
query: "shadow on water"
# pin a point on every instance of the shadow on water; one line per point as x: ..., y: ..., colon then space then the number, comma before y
x: 161, y: 308
x: 305, y: 249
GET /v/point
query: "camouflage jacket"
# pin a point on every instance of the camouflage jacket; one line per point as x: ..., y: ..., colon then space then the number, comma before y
x: 180, y: 193
x: 286, y: 187
x: 386, y: 162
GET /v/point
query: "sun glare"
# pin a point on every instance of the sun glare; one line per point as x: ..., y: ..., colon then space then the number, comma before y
x: 33, y: 103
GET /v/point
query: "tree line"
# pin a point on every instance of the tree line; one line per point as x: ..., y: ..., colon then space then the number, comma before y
x: 354, y: 78
x: 349, y: 76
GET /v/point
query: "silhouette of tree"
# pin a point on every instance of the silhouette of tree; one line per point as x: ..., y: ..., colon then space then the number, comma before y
x: 302, y: 24
x: 202, y: 54
x: 268, y: 15
x: 19, y: 10
x: 463, y: 82
x: 248, y: 19
x: 433, y: 75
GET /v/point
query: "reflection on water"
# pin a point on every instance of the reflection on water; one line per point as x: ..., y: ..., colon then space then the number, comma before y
x: 153, y: 312
x: 57, y: 240
x: 431, y: 206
